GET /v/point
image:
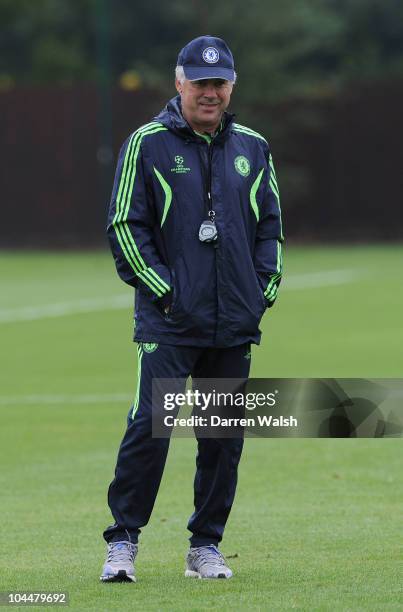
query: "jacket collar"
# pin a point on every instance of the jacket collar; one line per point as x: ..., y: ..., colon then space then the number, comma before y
x: 171, y: 116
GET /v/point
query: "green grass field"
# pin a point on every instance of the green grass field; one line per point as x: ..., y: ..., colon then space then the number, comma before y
x: 316, y: 525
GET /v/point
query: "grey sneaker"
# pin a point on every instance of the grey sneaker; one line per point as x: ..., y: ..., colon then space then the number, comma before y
x: 206, y: 562
x: 119, y: 564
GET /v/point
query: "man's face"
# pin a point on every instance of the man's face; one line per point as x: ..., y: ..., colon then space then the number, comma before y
x: 203, y: 102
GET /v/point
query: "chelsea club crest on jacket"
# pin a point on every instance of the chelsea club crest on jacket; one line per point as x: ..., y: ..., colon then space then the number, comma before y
x: 168, y: 177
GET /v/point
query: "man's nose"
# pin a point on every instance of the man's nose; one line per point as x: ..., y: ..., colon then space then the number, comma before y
x: 209, y: 90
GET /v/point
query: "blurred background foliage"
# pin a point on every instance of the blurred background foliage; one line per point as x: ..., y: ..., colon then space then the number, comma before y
x: 282, y: 48
x: 322, y: 79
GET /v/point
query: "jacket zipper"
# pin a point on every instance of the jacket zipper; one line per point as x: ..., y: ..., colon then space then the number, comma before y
x: 211, y: 214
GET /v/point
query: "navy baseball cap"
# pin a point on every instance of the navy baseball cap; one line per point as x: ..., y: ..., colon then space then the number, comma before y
x: 207, y: 57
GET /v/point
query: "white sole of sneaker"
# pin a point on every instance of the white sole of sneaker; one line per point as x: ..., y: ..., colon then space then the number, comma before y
x: 192, y: 574
x: 121, y: 576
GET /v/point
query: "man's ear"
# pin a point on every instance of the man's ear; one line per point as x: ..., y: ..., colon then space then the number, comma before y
x: 178, y: 86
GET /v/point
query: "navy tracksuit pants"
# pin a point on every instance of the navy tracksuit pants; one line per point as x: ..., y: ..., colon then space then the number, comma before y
x: 141, y: 458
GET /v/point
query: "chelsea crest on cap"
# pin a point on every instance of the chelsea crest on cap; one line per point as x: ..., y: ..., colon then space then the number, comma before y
x: 207, y: 57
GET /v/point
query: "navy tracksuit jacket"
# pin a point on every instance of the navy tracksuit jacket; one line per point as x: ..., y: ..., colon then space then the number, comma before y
x: 167, y: 179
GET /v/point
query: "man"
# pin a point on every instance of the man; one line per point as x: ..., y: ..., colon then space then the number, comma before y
x: 195, y: 227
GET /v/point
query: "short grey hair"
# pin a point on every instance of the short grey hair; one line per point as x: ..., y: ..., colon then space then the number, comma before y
x: 180, y: 75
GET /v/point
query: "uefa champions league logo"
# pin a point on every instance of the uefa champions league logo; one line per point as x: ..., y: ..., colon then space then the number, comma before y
x: 179, y: 168
x: 211, y: 55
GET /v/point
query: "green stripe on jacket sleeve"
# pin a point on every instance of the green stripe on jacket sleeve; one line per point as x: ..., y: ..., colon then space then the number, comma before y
x: 274, y: 187
x: 120, y: 224
x: 270, y: 292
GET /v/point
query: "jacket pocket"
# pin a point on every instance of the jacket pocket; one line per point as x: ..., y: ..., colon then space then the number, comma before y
x: 262, y: 297
x: 261, y: 300
x: 174, y: 298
